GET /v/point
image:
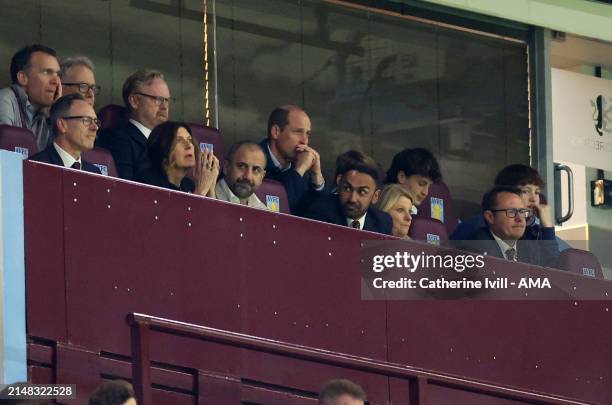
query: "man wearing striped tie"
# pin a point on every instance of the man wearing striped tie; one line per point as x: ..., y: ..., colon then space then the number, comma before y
x: 74, y: 125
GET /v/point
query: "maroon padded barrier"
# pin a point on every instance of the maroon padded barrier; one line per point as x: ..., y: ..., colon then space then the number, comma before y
x: 98, y: 248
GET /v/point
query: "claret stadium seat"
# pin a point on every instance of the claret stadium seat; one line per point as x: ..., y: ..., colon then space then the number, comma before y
x: 273, y: 194
x: 439, y: 205
x: 208, y: 137
x: 112, y: 116
x: 103, y: 159
x: 18, y: 140
x: 428, y: 229
x: 581, y: 262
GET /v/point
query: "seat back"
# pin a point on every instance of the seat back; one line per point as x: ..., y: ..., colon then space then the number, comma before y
x: 103, y: 159
x: 439, y: 205
x: 18, y: 140
x: 273, y: 194
x: 580, y: 262
x: 208, y: 137
x: 112, y: 116
x: 427, y: 229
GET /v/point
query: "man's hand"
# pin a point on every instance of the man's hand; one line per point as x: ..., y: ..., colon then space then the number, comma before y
x: 304, y: 159
x: 545, y: 215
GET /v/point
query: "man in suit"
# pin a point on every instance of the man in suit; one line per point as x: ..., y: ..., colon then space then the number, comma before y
x: 74, y: 125
x: 353, y: 206
x: 147, y: 99
x: 505, y: 214
x: 290, y: 160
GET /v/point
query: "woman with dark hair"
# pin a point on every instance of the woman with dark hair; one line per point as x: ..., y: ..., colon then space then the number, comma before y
x: 173, y: 151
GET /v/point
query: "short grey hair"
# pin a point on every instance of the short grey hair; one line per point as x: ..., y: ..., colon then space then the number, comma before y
x: 61, y: 108
x: 72, y: 61
x: 136, y: 80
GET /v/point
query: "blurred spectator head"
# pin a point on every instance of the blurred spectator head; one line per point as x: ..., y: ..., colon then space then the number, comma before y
x: 358, y: 188
x: 342, y: 392
x: 288, y: 127
x: 115, y: 392
x: 505, y: 212
x: 171, y: 144
x: 74, y: 124
x: 527, y: 179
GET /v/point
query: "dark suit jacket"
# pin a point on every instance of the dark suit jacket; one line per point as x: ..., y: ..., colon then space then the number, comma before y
x: 129, y: 149
x: 300, y: 190
x: 327, y: 208
x: 157, y: 177
x: 541, y: 253
x: 50, y: 155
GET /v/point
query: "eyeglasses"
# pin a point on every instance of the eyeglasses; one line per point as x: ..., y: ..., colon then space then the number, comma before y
x: 84, y: 87
x: 158, y: 100
x: 87, y: 121
x: 512, y: 212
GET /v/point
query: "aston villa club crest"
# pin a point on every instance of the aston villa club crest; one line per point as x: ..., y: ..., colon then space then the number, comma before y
x: 601, y: 114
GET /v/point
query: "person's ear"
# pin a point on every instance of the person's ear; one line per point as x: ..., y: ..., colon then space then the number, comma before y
x: 133, y: 100
x: 22, y: 78
x: 489, y: 217
x: 401, y: 177
x: 275, y: 131
x: 62, y: 126
x: 375, y: 196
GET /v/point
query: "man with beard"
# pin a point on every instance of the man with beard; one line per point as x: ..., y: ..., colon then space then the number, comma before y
x: 353, y: 206
x: 243, y: 171
x: 147, y: 100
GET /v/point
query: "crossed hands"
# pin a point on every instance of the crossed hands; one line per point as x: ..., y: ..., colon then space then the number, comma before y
x: 308, y: 160
x: 206, y: 174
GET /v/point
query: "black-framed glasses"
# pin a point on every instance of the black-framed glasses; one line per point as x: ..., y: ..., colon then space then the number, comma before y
x: 84, y: 87
x: 87, y: 121
x: 158, y: 100
x: 512, y: 212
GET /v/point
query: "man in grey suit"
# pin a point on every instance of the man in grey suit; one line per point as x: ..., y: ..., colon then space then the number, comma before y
x: 36, y: 85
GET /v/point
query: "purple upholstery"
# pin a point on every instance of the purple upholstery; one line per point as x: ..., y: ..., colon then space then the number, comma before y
x: 206, y: 136
x: 103, y: 159
x: 112, y: 116
x: 581, y: 262
x: 273, y: 194
x: 18, y: 140
x: 427, y: 229
x: 442, y: 199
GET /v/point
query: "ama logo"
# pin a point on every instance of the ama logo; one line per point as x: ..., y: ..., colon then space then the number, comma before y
x: 602, y: 109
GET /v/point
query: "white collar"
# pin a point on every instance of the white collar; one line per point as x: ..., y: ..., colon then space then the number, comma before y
x: 67, y: 158
x: 503, y: 245
x: 275, y: 160
x: 225, y: 193
x: 145, y: 131
x: 349, y: 221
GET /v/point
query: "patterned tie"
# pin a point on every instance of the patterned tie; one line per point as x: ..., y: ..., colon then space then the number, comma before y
x: 76, y: 165
x: 355, y: 224
x: 511, y: 254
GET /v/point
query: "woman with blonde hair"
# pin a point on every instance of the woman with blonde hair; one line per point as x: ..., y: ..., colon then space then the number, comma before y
x: 397, y: 202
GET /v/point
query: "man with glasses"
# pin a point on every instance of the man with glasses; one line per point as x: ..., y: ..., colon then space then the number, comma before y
x: 36, y: 85
x: 506, y: 214
x: 147, y: 100
x: 78, y: 77
x: 74, y: 131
